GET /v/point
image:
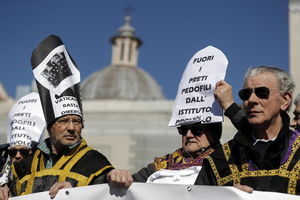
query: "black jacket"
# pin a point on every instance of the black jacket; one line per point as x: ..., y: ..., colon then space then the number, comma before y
x: 269, y: 166
x: 80, y: 166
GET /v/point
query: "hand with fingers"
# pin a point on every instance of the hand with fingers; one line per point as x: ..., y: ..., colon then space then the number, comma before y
x: 4, y: 192
x: 120, y: 177
x: 244, y: 188
x: 58, y: 186
x: 223, y: 93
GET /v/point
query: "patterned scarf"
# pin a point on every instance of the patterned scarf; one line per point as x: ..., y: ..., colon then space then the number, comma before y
x: 177, y: 160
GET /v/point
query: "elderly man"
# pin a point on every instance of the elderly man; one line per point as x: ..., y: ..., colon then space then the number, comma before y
x: 295, y: 123
x: 264, y: 150
x: 26, y: 124
x: 200, y: 130
x: 64, y: 159
x: 183, y: 165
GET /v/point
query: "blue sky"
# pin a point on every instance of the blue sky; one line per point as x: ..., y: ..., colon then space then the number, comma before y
x: 249, y: 32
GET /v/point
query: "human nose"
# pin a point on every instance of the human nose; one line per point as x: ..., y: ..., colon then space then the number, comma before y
x: 253, y: 97
x: 70, y: 125
x: 18, y: 155
x: 189, y: 134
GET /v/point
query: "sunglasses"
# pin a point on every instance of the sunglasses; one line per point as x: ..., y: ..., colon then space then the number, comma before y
x: 182, y: 130
x: 260, y: 92
x: 23, y: 152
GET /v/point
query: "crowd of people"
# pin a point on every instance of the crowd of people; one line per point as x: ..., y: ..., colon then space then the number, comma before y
x: 263, y: 155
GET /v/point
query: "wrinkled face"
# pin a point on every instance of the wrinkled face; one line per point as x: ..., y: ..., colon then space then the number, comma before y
x: 264, y: 110
x: 65, y: 132
x: 195, y: 138
x: 17, y: 153
x: 295, y: 123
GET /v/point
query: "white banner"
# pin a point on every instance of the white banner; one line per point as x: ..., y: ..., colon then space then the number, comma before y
x: 148, y: 191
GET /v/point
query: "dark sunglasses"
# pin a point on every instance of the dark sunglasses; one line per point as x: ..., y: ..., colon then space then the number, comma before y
x: 182, y: 130
x: 260, y: 92
x: 23, y: 152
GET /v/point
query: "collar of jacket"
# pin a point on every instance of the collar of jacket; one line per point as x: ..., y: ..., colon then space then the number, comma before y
x: 277, y: 150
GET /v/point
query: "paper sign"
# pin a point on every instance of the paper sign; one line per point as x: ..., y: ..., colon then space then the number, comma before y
x: 57, y: 72
x: 195, y: 100
x: 65, y: 105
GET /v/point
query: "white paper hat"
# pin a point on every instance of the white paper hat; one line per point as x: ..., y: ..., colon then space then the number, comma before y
x: 26, y: 121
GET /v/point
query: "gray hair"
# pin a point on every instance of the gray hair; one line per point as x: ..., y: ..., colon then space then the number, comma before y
x: 285, y: 80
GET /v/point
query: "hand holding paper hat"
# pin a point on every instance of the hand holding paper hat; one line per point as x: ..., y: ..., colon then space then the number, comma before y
x: 57, y: 79
x: 195, y: 100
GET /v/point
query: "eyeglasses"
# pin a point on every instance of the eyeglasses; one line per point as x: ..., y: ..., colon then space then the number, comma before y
x: 196, y: 130
x: 260, y: 92
x: 23, y: 152
x: 66, y: 121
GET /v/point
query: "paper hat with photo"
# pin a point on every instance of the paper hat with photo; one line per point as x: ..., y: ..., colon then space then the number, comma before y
x: 26, y: 121
x: 57, y: 78
x: 195, y: 100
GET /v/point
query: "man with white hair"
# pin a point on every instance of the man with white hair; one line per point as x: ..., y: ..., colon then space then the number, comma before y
x: 264, y: 150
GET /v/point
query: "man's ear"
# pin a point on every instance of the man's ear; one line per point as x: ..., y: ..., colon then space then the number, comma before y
x: 287, y: 100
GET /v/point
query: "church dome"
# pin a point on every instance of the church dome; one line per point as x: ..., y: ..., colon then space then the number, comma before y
x: 121, y: 82
x: 123, y: 79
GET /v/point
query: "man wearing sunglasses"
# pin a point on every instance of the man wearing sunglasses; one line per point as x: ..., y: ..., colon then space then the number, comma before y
x: 183, y: 165
x: 295, y: 123
x: 26, y: 124
x: 264, y: 153
x: 199, y: 136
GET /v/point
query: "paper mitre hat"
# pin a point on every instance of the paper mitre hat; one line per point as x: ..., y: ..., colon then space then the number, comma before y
x: 57, y: 78
x: 195, y: 100
x: 26, y: 121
